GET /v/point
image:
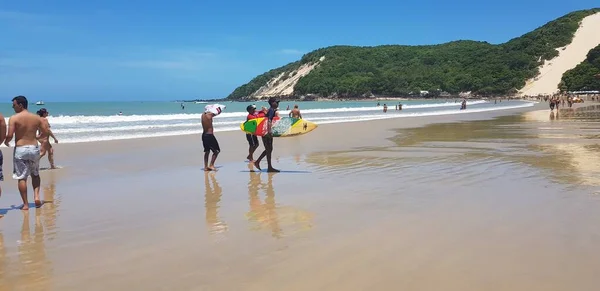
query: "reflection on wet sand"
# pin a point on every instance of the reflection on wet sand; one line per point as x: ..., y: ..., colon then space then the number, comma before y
x: 33, y: 270
x: 212, y: 198
x: 51, y: 206
x: 269, y: 215
x: 264, y: 215
x: 565, y: 148
x: 4, y: 263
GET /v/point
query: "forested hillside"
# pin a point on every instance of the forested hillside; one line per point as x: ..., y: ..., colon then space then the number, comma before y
x: 586, y: 76
x: 459, y: 66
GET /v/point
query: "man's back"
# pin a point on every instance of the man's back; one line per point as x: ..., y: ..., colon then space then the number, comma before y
x: 207, y: 125
x: 26, y: 125
x: 295, y: 113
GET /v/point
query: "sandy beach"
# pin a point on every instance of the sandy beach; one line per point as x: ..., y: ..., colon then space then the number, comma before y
x: 500, y: 200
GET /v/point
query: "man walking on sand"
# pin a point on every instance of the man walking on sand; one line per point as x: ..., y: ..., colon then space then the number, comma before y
x: 251, y: 138
x: 209, y: 141
x: 268, y: 138
x: 24, y: 125
x: 2, y: 137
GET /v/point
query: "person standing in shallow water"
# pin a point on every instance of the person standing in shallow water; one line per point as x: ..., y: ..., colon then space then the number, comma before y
x: 268, y: 138
x: 24, y: 126
x: 46, y: 146
x: 295, y: 113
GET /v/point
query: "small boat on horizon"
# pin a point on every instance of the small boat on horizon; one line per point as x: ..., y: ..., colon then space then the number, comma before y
x: 39, y: 103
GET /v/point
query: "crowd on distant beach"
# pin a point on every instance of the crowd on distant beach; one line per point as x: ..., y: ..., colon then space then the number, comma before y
x: 29, y: 131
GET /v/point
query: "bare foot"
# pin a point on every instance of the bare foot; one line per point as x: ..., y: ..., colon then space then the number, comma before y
x: 24, y: 207
x: 38, y: 203
x: 212, y: 168
x: 257, y: 165
x: 249, y: 158
x: 207, y: 169
x: 1, y: 215
x: 273, y: 170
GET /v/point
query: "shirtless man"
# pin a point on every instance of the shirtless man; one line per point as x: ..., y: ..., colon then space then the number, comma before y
x: 295, y: 113
x: 268, y: 138
x: 209, y: 141
x: 2, y: 137
x: 24, y: 126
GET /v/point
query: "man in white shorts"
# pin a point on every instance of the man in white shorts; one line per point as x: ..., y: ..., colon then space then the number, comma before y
x: 24, y: 125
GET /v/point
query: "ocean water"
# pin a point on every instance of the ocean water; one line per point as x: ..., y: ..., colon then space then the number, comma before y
x: 95, y: 121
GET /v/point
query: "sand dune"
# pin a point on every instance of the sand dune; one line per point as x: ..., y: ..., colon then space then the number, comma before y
x: 586, y: 38
x: 279, y: 86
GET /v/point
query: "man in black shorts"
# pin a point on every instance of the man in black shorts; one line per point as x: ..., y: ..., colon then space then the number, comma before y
x: 268, y: 138
x: 209, y: 141
x: 251, y: 138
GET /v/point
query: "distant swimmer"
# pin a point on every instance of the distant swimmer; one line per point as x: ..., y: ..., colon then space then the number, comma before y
x: 268, y: 138
x: 251, y: 138
x: 120, y: 113
x: 209, y: 141
x: 2, y: 137
x: 46, y: 146
x: 384, y: 108
x: 295, y: 113
x: 26, y: 158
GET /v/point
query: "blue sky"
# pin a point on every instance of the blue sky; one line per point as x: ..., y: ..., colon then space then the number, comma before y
x: 67, y: 50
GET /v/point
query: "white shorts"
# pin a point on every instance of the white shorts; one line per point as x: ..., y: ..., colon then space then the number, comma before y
x: 26, y: 162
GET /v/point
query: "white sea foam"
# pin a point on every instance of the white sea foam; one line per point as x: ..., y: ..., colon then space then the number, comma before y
x: 96, y: 119
x: 75, y: 129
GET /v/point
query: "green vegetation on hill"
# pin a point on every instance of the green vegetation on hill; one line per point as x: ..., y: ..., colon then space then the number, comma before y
x: 584, y: 77
x: 396, y: 70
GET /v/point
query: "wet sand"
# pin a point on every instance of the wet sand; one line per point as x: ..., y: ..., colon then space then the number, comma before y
x: 491, y: 201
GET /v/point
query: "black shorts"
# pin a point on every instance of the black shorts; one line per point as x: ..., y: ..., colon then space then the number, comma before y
x: 252, y: 140
x: 209, y: 141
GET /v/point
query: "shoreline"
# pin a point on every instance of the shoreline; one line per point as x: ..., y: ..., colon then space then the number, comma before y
x: 379, y: 98
x: 191, y: 126
x: 234, y: 146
